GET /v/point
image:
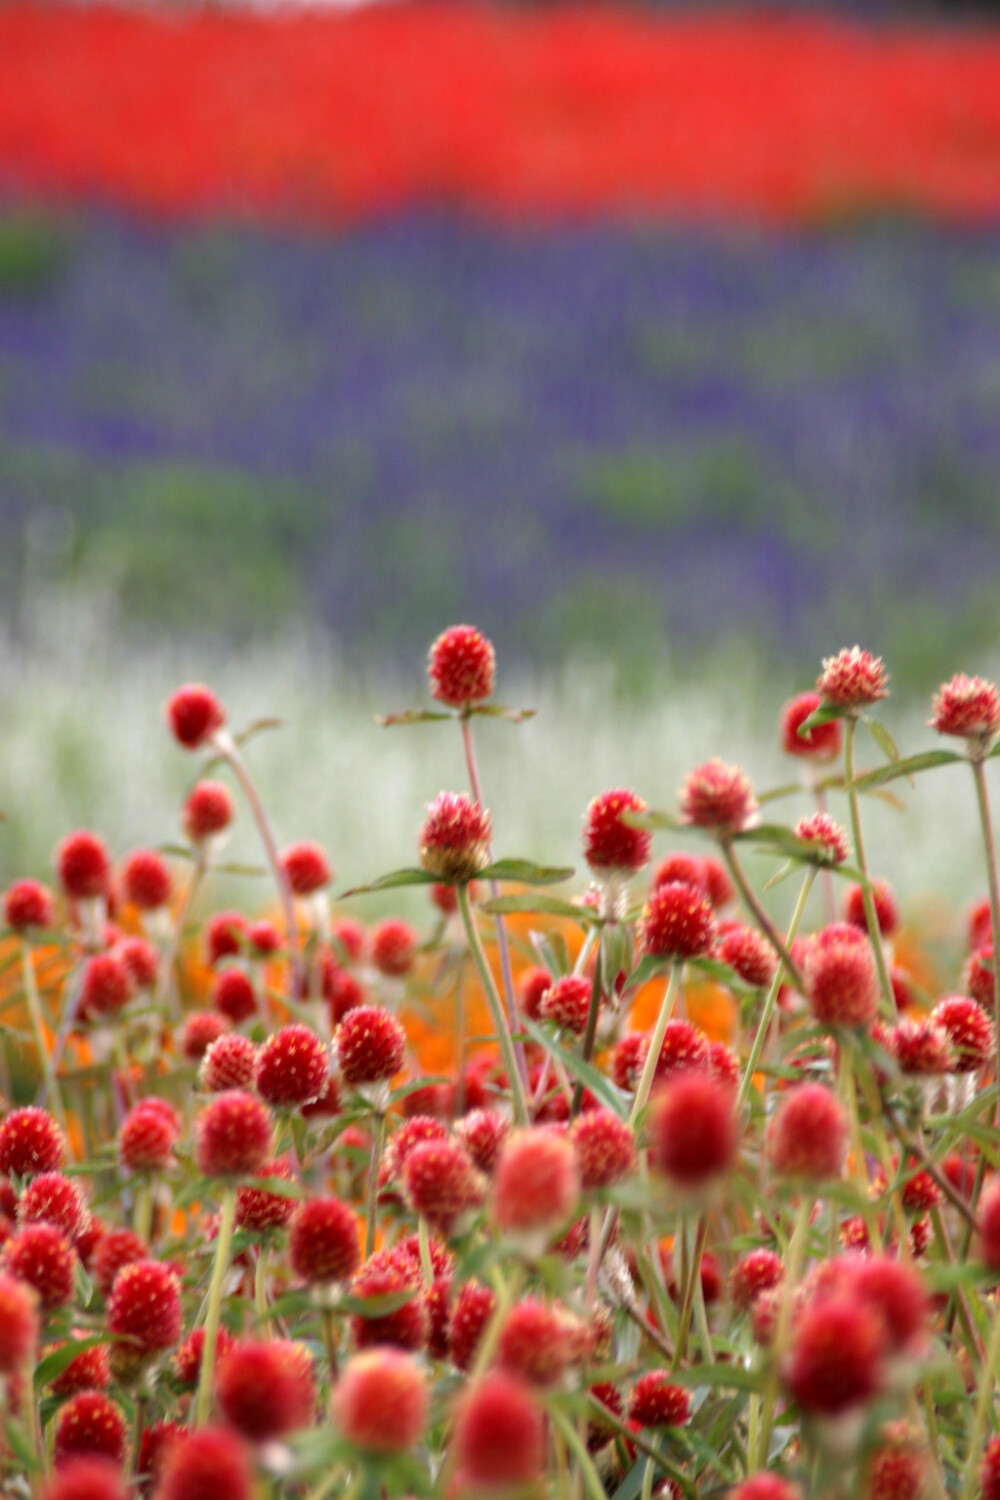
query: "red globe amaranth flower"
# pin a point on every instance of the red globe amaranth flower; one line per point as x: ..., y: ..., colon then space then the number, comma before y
x: 342, y: 990
x: 884, y: 902
x: 970, y: 1032
x: 259, y: 1210
x: 482, y: 1133
x: 536, y: 1342
x: 83, y: 865
x: 201, y: 1028
x: 685, y: 1049
x: 600, y: 1432
x: 611, y: 844
x: 827, y: 838
x: 989, y: 1225
x: 148, y: 1135
x: 718, y: 797
x: 473, y: 1309
x: 233, y: 1135
x: 208, y: 811
x: 852, y: 679
x: 749, y: 954
x: 371, y: 1045
x: 90, y: 1424
x: 566, y: 1003
x: 765, y: 1487
x: 156, y: 1441
x: 30, y: 1142
x: 455, y: 838
x: 292, y: 1067
x: 678, y: 922
x: 89, y: 1371
x: 722, y: 1065
x: 306, y: 869
x: 224, y: 936
x: 756, y: 1271
x: 841, y: 982
x: 405, y: 1328
x: 694, y: 1132
x: 228, y: 1063
x: 416, y: 1130
x: 979, y: 927
x: 822, y: 742
x: 989, y: 1470
x: 87, y: 1479
x: 968, y: 707
x: 145, y: 880
x: 18, y: 1324
x: 921, y: 1193
x: 323, y: 1241
x: 979, y: 976
x: 51, y: 1198
x: 194, y: 714
x: 921, y: 1047
x: 145, y: 1308
x: 27, y: 904
x: 141, y: 960
x: 441, y: 1183
x: 380, y: 1402
x: 211, y: 1463
x: 265, y: 1389
x: 897, y: 1468
x: 531, y: 987
x: 897, y: 1292
x: 42, y: 1256
x: 233, y: 995
x: 807, y: 1135
x: 835, y: 1361
x: 605, y: 1148
x: 628, y: 1058
x: 654, y: 1402
x: 106, y: 987
x: 536, y: 1184
x: 500, y: 1434
x: 116, y: 1248
x: 461, y: 667
x: 187, y: 1360
x: 687, y: 869
x: 393, y: 947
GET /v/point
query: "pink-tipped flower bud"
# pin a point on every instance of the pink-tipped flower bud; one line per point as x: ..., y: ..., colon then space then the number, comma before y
x: 537, y: 1342
x: 87, y: 1479
x: 292, y: 1067
x: 90, y: 1424
x: 461, y: 667
x: 148, y: 1135
x: 212, y: 1463
x: 841, y: 981
x: 536, y: 1185
x: 233, y: 1135
x: 826, y: 838
x: 323, y: 1241
x: 566, y: 1003
x: 144, y: 1308
x: 145, y: 880
x: 677, y: 923
x: 41, y: 1255
x: 228, y: 1063
x: 852, y: 679
x: 371, y: 1045
x: 605, y: 1148
x: 969, y: 708
x: 500, y: 1434
x: 655, y: 1402
x: 380, y: 1402
x: 969, y: 1030
x: 455, y: 838
x: 835, y: 1361
x: 884, y: 902
x: 718, y: 797
x: 807, y: 1135
x: 393, y: 947
x: 265, y: 1388
x: 694, y: 1131
x: 51, y: 1198
x: 233, y: 995
x: 610, y: 843
x: 30, y: 1141
x: 441, y: 1184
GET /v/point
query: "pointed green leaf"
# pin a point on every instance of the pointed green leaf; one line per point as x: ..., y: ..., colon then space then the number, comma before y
x: 501, y: 711
x: 525, y: 871
x: 550, y: 906
x: 882, y: 738
x: 651, y: 966
x: 551, y: 949
x: 602, y: 1088
x: 393, y: 881
x: 789, y: 790
x: 911, y: 766
x: 53, y: 1364
x: 825, y: 714
x: 411, y: 716
x: 654, y: 820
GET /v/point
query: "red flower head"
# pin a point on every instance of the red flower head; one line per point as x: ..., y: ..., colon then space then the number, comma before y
x: 265, y: 1388
x: 141, y: 961
x: 148, y: 1135
x: 292, y: 1067
x: 472, y: 1311
x: 749, y: 954
x: 685, y: 1049
x: 921, y: 1047
x: 628, y: 1059
x: 897, y: 1468
x: 852, y: 679
x: 41, y: 1255
x: 566, y: 1002
x: 840, y: 976
x: 455, y: 838
x: 989, y: 1225
x: 116, y: 1248
x: 886, y: 910
x: 30, y: 1141
x: 228, y: 1063
x: 531, y: 987
x: 234, y: 996
x: 371, y: 1045
x: 688, y: 869
x: 968, y: 707
x: 233, y: 1135
x: 323, y: 1241
x: 225, y: 935
x: 827, y: 838
x: 405, y: 1328
x: 264, y: 938
x: 718, y: 797
x: 145, y: 880
x: 807, y: 1135
x: 611, y: 844
x: 441, y: 1183
x: 18, y: 1324
x: 694, y: 1132
x: 380, y: 1402
x: 393, y: 947
x: 51, y: 1198
x: 462, y: 667
x: 654, y: 1402
x: 187, y: 1360
x: 820, y: 743
x: 979, y: 928
x: 86, y: 1479
x: 755, y: 1272
x: 84, y: 866
x: 500, y: 1434
x: 145, y: 1308
x: 537, y: 1342
x: 605, y: 1148
x: 536, y: 1183
x: 89, y: 1371
x: 194, y: 714
x: 208, y: 811
x: 306, y: 869
x: 765, y: 1486
x: 482, y: 1133
x: 90, y: 1425
x: 201, y: 1028
x: 969, y: 1030
x: 897, y: 1292
x: 677, y: 922
x: 259, y: 1210
x: 27, y: 904
x: 835, y: 1361
x: 211, y: 1463
x: 979, y: 976
x: 416, y: 1130
x: 154, y: 1445
x: 989, y: 1471
x: 106, y: 987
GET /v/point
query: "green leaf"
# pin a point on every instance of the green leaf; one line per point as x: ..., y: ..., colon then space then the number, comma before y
x: 651, y: 966
x: 736, y: 1377
x: 425, y: 1081
x: 393, y: 881
x: 614, y: 952
x: 549, y: 906
x: 788, y: 790
x: 654, y: 820
x: 501, y: 711
x: 411, y: 716
x: 551, y: 949
x: 882, y: 738
x: 377, y: 1307
x: 602, y: 1088
x: 289, y: 1305
x: 53, y: 1364
x: 825, y: 714
x: 911, y: 766
x: 525, y: 871
x: 237, y: 869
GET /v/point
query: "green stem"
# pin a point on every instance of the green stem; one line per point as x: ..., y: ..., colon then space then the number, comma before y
x: 691, y: 1280
x: 142, y: 1219
x: 796, y: 1260
x: 591, y: 1479
x: 772, y: 996
x: 984, y: 1403
x: 329, y: 1341
x: 378, y: 1140
x: 495, y: 1004
x: 590, y: 1033
x: 849, y: 1095
x: 424, y: 1239
x: 871, y: 916
x: 38, y: 1028
x: 760, y: 916
x: 982, y: 797
x: 655, y: 1043
x: 260, y: 1288
x: 223, y: 1245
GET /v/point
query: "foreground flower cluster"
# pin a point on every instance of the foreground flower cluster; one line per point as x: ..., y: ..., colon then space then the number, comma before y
x: 629, y: 1192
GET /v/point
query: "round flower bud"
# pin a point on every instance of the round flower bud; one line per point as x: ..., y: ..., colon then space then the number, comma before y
x: 265, y: 1388
x: 323, y: 1241
x: 194, y: 714
x: 482, y: 1133
x: 145, y: 880
x: 155, y: 1443
x: 201, y: 1028
x: 822, y: 742
x: 106, y: 987
x: 841, y: 982
x: 228, y: 1063
x: 989, y: 1471
x: 835, y: 1361
x: 852, y: 679
x: 208, y: 811
x: 989, y: 1225
x: 897, y: 1292
x: 259, y: 1210
x: 605, y: 1148
x: 500, y: 1434
x: 234, y: 996
x: 211, y: 1463
x: 969, y: 1030
x: 145, y: 1307
x: 415, y: 1131
x: 654, y: 1402
x: 566, y: 1002
x: 765, y: 1486
x: 292, y: 1067
x: 749, y: 954
x: 968, y: 707
x: 371, y: 1045
x: 141, y: 961
x: 609, y: 842
x: 462, y: 667
x: 306, y: 869
x: 89, y: 1371
x: 718, y: 797
x: 884, y: 902
x: 393, y: 946
x: 921, y: 1047
x: 187, y: 1360
x: 455, y: 838
x: 18, y: 1324
x: 380, y: 1402
x: 116, y: 1248
x: 685, y: 1049
x: 233, y: 1135
x: 694, y: 1133
x: 225, y: 934
x: 807, y: 1134
x: 536, y: 1342
x: 148, y: 1135
x: 473, y: 1310
x: 755, y: 1272
x: 979, y: 976
x: 51, y: 1198
x: 407, y: 1326
x: 86, y: 1479
x: 537, y: 1183
x: 90, y: 1424
x: 42, y: 1256
x: 677, y: 923
x: 441, y: 1184
x: 27, y: 904
x: 827, y: 838
x: 30, y: 1141
x: 83, y: 865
